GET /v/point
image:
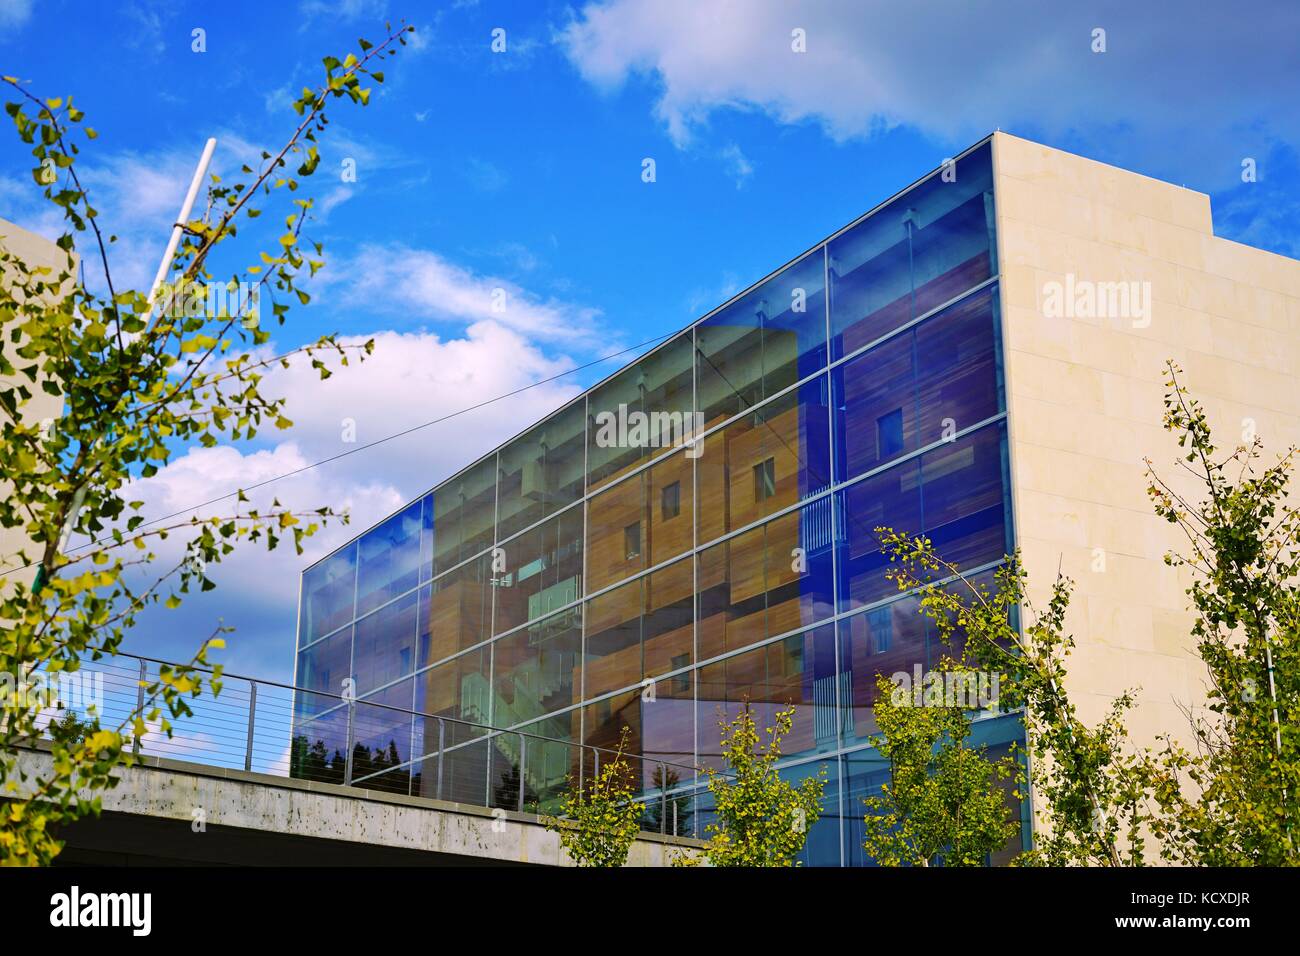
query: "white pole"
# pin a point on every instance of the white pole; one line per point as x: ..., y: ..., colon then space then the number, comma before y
x: 182, y: 218
x: 200, y: 171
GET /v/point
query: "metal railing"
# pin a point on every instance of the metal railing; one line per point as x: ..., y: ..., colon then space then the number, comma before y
x: 278, y: 729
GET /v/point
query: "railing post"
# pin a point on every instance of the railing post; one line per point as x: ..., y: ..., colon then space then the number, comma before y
x: 441, y: 745
x: 663, y: 799
x: 347, y: 766
x: 139, y: 705
x: 252, y: 713
x: 523, y: 750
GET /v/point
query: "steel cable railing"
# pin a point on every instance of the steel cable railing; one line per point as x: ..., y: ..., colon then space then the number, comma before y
x: 282, y: 730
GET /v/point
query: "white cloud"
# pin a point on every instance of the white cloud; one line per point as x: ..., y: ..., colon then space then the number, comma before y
x: 739, y: 167
x: 1167, y: 85
x: 423, y: 285
x: 411, y: 378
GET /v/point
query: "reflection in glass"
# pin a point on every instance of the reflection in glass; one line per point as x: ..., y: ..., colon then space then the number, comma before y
x: 389, y: 558
x: 765, y: 461
x: 537, y: 670
x: 542, y: 470
x: 923, y: 249
x: 918, y: 388
x: 385, y: 644
x: 797, y: 672
x: 767, y: 581
x: 640, y: 629
x: 464, y: 512
x: 641, y: 412
x: 954, y: 494
x: 629, y: 528
x: 539, y: 571
x: 456, y: 610
x: 381, y: 732
x: 765, y: 341
x: 328, y: 590
x: 324, y: 667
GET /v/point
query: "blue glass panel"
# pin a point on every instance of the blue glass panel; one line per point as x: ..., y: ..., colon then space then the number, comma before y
x: 641, y: 412
x: 865, y: 771
x: 328, y: 593
x: 426, y: 537
x: 324, y: 667
x: 763, y: 342
x: 385, y: 644
x: 464, y: 514
x: 319, y: 748
x: 382, y: 739
x: 389, y: 558
x: 923, y: 249
x: 955, y: 494
x: 659, y: 729
x: 922, y: 386
x: 822, y: 846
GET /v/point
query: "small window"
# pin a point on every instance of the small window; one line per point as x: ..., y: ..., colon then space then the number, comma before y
x: 632, y: 540
x: 682, y: 682
x: 765, y: 479
x: 880, y: 624
x: 671, y: 500
x: 889, y: 433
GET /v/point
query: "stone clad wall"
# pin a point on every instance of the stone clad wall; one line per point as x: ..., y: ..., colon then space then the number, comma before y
x: 1085, y: 400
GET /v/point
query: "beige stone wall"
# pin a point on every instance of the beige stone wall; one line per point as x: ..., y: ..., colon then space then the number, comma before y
x: 1085, y: 400
x: 35, y: 251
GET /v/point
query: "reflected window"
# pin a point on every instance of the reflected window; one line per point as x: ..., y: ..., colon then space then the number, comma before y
x: 764, y: 480
x: 639, y: 629
x: 764, y: 462
x: 632, y: 540
x: 954, y: 494
x: 920, y: 387
x: 671, y: 501
x: 385, y: 644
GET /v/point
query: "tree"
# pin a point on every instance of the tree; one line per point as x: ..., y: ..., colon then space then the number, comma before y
x: 141, y: 376
x: 943, y: 802
x: 1097, y: 799
x: 1235, y: 799
x: 599, y: 819
x: 762, y: 820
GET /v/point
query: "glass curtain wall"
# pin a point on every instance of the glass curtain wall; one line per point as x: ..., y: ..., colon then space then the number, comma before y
x: 694, y: 533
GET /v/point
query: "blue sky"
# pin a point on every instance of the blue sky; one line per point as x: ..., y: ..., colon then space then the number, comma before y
x: 522, y: 170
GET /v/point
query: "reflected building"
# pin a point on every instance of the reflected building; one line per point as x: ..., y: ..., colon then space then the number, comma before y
x: 572, y: 587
